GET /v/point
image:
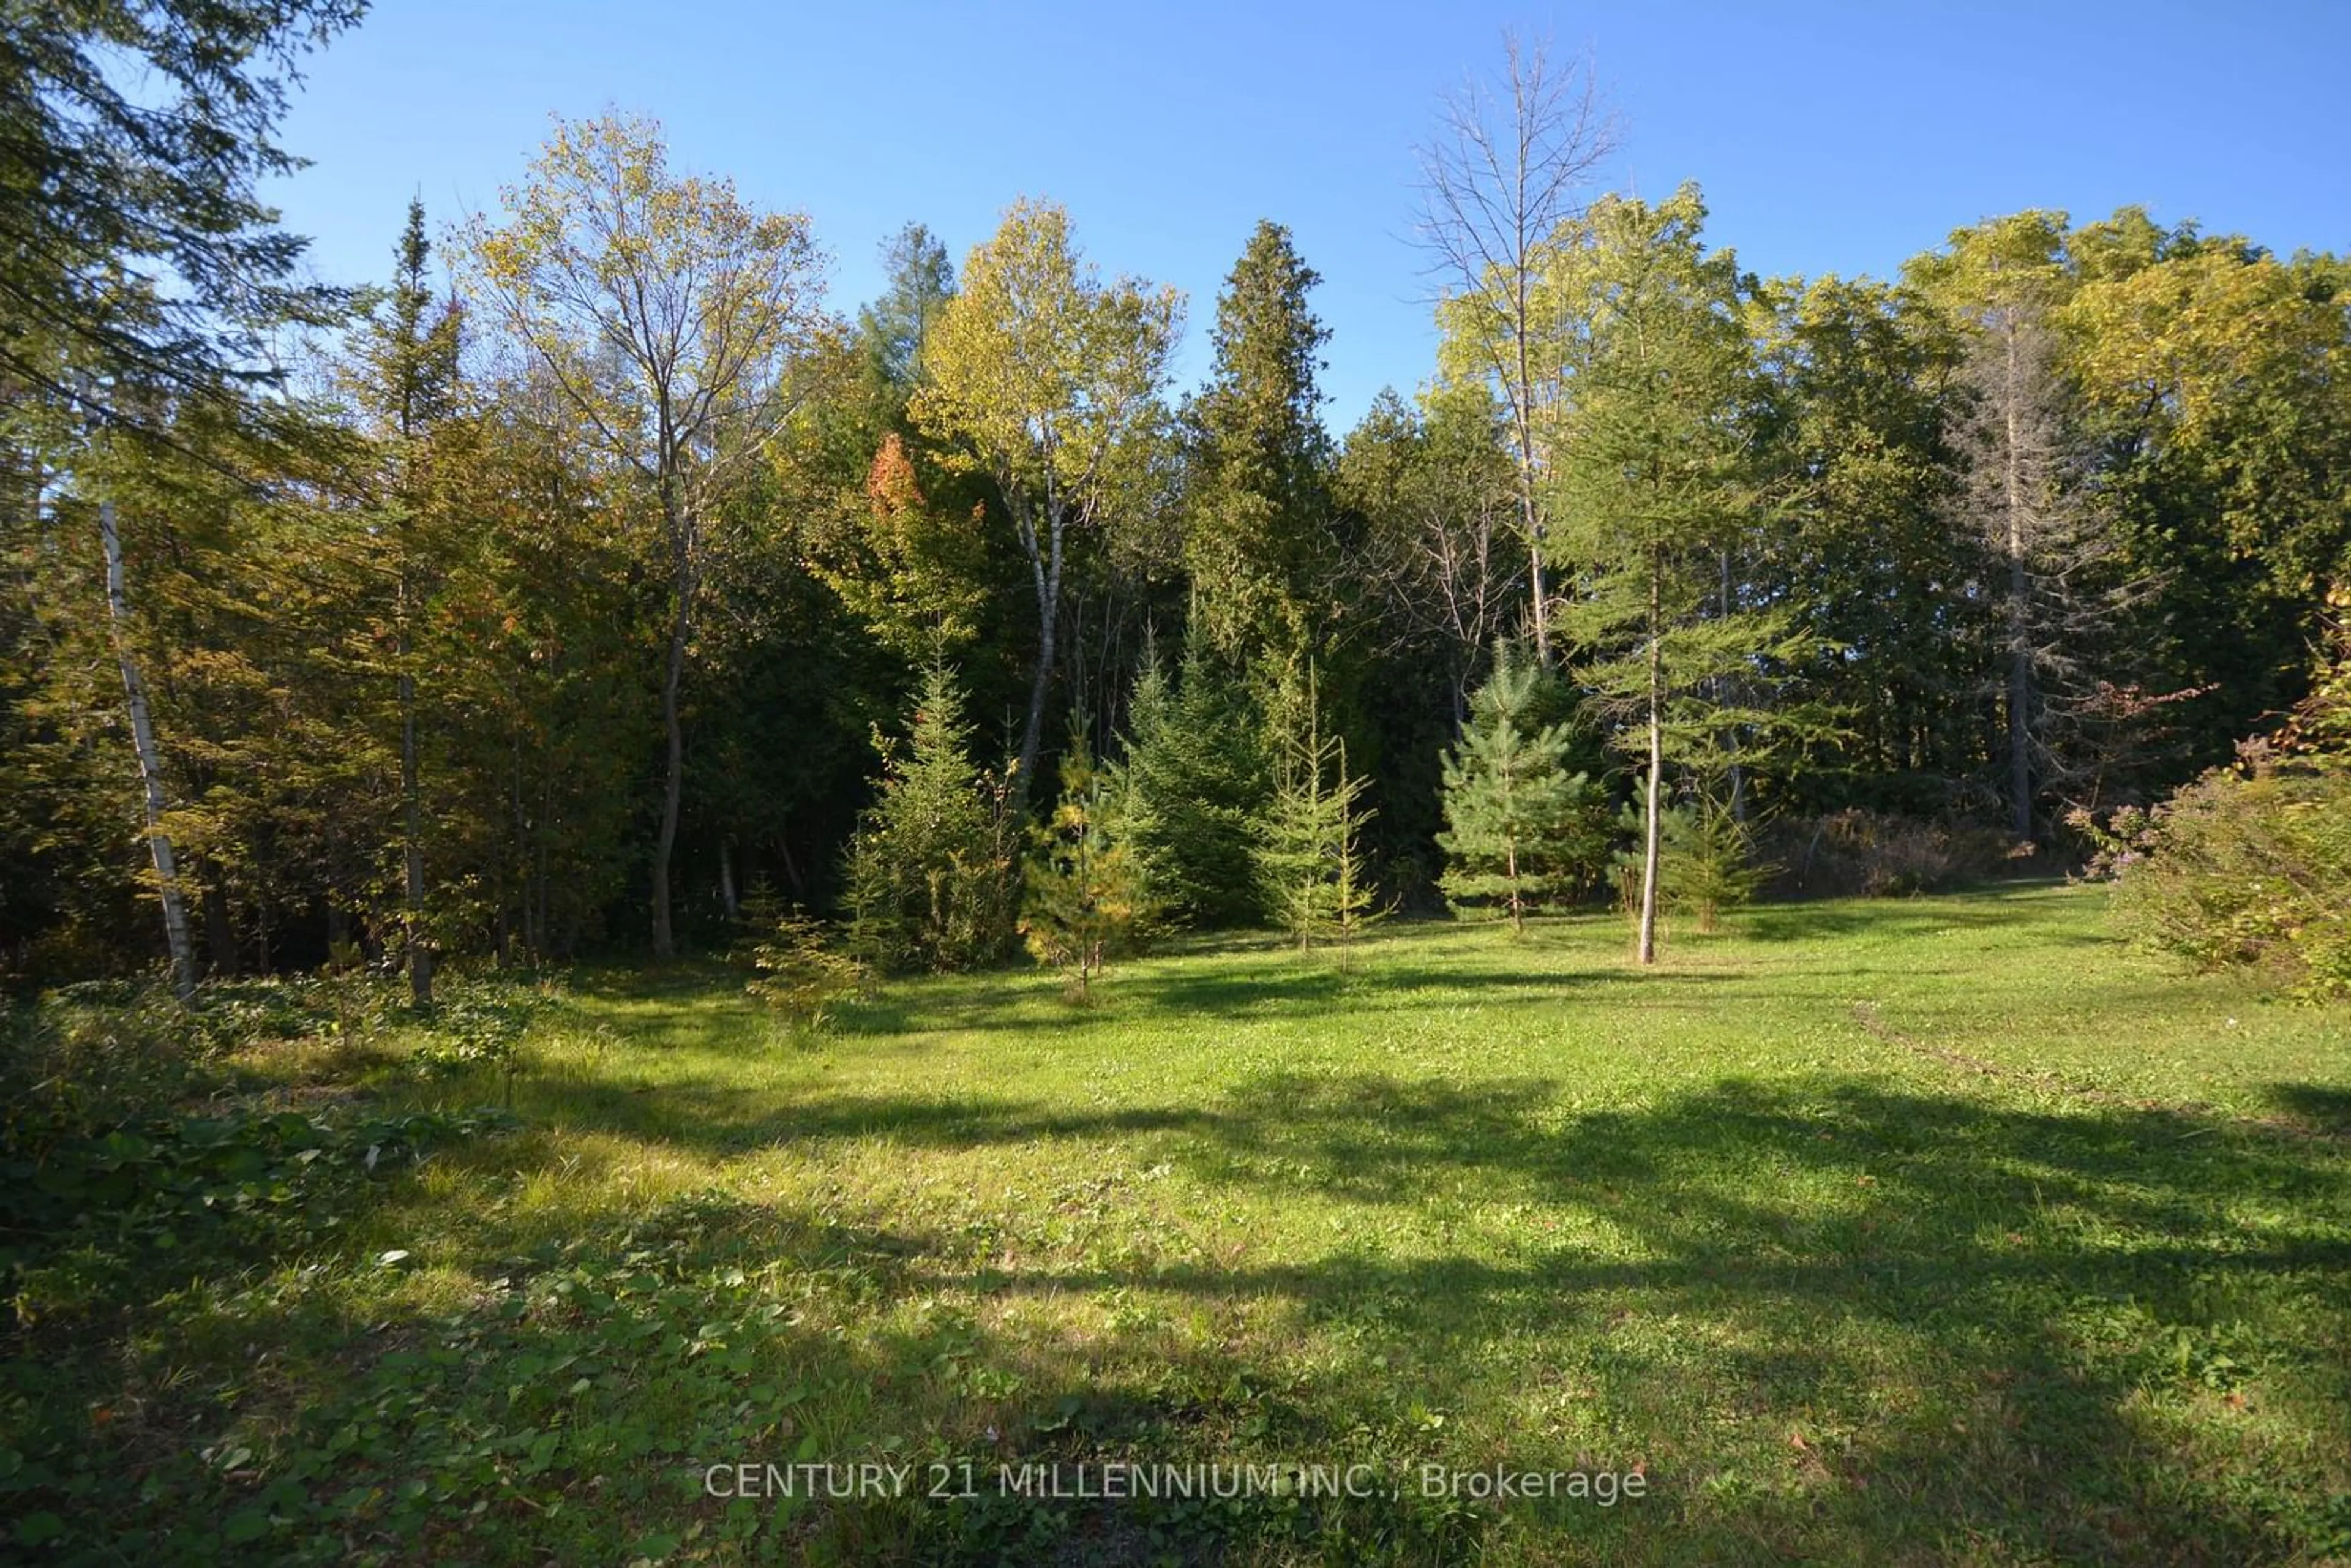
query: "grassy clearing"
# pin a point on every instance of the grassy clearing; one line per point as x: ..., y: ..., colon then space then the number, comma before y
x: 1938, y: 1230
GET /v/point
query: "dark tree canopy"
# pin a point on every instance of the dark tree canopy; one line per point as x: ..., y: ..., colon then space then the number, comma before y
x: 133, y: 245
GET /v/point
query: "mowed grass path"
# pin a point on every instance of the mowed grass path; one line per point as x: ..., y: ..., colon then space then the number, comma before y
x: 1941, y: 1230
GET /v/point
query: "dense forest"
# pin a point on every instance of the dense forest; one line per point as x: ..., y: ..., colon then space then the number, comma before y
x: 595, y: 575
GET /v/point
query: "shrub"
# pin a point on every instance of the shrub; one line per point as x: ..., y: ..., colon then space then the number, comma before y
x: 476, y: 1024
x: 2249, y: 866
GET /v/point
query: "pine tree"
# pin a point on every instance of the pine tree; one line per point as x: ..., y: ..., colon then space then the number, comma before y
x: 1521, y: 830
x: 1086, y: 893
x: 1707, y: 859
x: 929, y: 874
x: 1308, y: 862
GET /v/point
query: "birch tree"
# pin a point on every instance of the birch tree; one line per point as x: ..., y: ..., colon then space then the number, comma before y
x: 1040, y: 376
x: 670, y: 313
x: 1504, y: 170
x: 153, y: 798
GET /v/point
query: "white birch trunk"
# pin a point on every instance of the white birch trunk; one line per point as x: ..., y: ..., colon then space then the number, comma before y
x: 151, y: 762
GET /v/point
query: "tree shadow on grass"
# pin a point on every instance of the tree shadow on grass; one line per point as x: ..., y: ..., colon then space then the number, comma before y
x: 2002, y: 1325
x: 2323, y: 1108
x: 1802, y: 920
x: 2117, y: 1335
x: 1838, y: 1320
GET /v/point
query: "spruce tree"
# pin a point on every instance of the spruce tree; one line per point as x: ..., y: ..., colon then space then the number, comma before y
x: 1085, y: 896
x: 930, y: 874
x: 408, y: 379
x: 1521, y: 830
x: 1256, y: 533
x: 1197, y: 776
x: 1309, y: 866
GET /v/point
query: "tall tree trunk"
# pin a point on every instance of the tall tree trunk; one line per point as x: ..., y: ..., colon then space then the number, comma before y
x: 2019, y: 588
x: 792, y: 866
x: 1530, y: 509
x: 1047, y: 570
x: 1652, y: 834
x: 417, y: 950
x: 1724, y: 693
x: 727, y: 880
x: 1510, y: 870
x: 673, y: 779
x: 151, y: 762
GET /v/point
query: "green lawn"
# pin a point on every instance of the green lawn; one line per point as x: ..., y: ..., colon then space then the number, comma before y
x: 1942, y: 1231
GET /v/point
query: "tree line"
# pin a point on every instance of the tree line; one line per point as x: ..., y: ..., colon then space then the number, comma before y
x: 591, y: 576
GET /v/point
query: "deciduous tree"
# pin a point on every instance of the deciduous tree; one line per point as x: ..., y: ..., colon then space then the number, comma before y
x: 1041, y: 374
x: 670, y: 313
x: 1505, y: 168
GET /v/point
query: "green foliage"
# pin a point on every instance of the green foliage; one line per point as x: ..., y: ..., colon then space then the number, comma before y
x: 1257, y: 537
x: 227, y: 1184
x: 804, y: 975
x: 2249, y: 866
x: 1196, y: 775
x: 2246, y: 867
x: 1309, y: 861
x: 930, y: 873
x: 1709, y: 861
x: 1087, y: 897
x: 476, y: 1026
x: 916, y: 576
x: 137, y: 241
x: 1520, y: 830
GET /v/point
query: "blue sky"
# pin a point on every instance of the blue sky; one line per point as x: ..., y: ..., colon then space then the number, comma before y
x: 1827, y: 137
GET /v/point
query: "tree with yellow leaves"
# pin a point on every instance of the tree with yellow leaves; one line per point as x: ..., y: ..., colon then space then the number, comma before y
x: 671, y: 314
x: 1042, y: 376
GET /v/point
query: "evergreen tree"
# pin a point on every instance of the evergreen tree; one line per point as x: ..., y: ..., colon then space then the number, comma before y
x: 1085, y: 896
x: 1256, y: 533
x: 1708, y: 859
x: 1662, y: 490
x: 135, y: 244
x: 892, y: 329
x: 1196, y: 772
x: 930, y: 874
x: 1521, y: 830
x: 1309, y: 863
x: 408, y: 381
